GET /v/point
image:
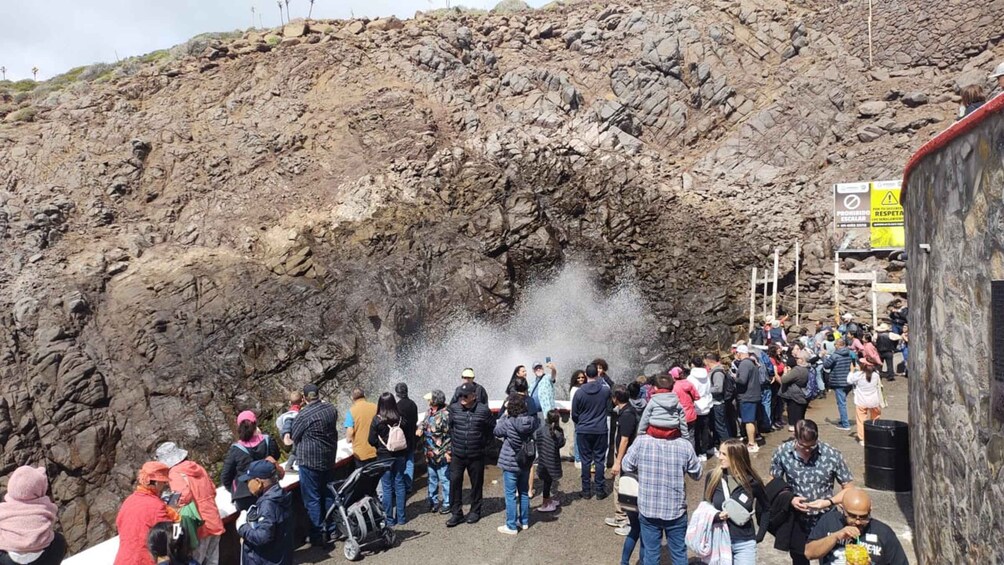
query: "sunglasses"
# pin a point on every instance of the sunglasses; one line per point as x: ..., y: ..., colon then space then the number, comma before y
x: 859, y: 517
x: 805, y: 448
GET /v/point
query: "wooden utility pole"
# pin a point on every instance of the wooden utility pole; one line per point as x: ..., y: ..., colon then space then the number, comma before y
x: 836, y: 288
x: 871, y: 62
x: 773, y: 301
x: 279, y: 3
x: 752, y: 300
x: 797, y: 264
x: 252, y: 17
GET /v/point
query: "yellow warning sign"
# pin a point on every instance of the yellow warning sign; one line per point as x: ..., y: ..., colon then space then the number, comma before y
x: 886, y: 215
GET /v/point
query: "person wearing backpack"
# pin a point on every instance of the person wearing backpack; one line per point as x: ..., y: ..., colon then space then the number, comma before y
x: 516, y: 429
x: 723, y: 395
x: 748, y: 394
x: 251, y: 446
x: 387, y: 435
x: 794, y: 382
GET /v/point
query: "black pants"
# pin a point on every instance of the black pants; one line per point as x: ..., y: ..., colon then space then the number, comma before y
x: 796, y: 412
x: 776, y: 405
x: 545, y: 476
x: 702, y: 434
x: 890, y: 369
x: 475, y: 467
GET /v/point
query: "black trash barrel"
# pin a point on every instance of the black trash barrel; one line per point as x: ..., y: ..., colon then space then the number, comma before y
x: 887, y: 456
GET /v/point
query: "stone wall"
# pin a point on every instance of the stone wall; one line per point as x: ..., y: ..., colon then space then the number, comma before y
x: 953, y: 203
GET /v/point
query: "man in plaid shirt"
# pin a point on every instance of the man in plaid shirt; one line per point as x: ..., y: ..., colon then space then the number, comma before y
x: 662, y: 500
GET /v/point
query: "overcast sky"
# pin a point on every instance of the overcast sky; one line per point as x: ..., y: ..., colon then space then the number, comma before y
x: 57, y: 35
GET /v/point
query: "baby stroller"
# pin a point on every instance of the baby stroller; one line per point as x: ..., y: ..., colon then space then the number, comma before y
x: 357, y: 512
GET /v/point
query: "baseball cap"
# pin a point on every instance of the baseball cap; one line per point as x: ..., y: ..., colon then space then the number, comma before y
x: 998, y: 72
x: 467, y: 389
x: 427, y: 396
x: 310, y: 390
x: 247, y: 416
x: 260, y: 469
x: 467, y: 374
x: 743, y: 349
x: 537, y: 365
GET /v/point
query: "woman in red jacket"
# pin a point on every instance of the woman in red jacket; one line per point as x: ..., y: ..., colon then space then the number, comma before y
x: 192, y: 482
x: 140, y: 511
x: 687, y: 393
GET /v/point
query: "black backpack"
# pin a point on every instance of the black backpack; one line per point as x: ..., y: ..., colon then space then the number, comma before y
x: 758, y: 336
x: 527, y: 454
x: 728, y: 384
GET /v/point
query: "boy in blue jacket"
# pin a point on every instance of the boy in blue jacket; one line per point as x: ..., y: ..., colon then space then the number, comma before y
x: 268, y: 531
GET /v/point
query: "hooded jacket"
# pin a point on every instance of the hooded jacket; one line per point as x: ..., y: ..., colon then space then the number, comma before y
x: 589, y: 408
x: 514, y: 432
x: 194, y: 484
x: 549, y: 446
x: 748, y: 381
x: 839, y: 365
x: 699, y: 378
x: 663, y: 411
x: 140, y: 511
x: 268, y: 533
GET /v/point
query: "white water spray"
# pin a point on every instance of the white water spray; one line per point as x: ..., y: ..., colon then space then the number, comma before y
x: 566, y: 318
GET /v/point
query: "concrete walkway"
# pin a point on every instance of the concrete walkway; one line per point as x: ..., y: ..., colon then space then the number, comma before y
x: 577, y: 533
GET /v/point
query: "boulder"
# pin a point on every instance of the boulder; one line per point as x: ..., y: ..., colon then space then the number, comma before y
x: 295, y: 29
x: 872, y: 108
x: 385, y: 24
x: 914, y: 99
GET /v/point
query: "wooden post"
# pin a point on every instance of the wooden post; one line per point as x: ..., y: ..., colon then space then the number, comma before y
x: 797, y: 263
x: 874, y: 302
x: 836, y: 289
x: 752, y: 300
x: 871, y: 62
x: 765, y: 293
x: 773, y: 301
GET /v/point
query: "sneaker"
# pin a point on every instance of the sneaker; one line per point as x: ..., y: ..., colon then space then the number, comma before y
x: 753, y: 448
x: 578, y: 464
x: 433, y: 507
x: 505, y: 530
x: 445, y: 510
x: 586, y: 494
x: 549, y: 506
x: 473, y: 518
x: 613, y: 522
x: 525, y: 526
x: 601, y: 495
x: 838, y: 425
x: 862, y: 442
x: 623, y: 530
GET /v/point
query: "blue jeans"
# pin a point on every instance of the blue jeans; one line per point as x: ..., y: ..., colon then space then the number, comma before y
x: 517, y: 488
x: 394, y: 492
x: 575, y: 450
x: 409, y: 471
x: 439, y: 475
x: 719, y: 413
x: 631, y: 540
x: 841, y: 394
x: 744, y: 552
x: 317, y: 500
x: 652, y: 530
x: 593, y: 451
x: 765, y: 400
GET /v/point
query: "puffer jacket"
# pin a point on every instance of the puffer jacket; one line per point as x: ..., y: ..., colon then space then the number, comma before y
x: 268, y: 533
x: 839, y: 365
x: 549, y: 444
x: 663, y: 411
x: 793, y: 384
x: 470, y: 429
x: 514, y: 432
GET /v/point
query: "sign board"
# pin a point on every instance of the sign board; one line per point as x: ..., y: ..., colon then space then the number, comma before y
x: 870, y: 213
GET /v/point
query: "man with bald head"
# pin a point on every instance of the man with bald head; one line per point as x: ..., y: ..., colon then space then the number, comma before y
x: 853, y: 524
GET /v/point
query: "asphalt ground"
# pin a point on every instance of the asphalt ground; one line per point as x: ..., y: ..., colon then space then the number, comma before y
x: 577, y: 534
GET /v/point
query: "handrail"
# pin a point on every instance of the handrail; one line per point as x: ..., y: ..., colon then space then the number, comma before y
x: 105, y: 551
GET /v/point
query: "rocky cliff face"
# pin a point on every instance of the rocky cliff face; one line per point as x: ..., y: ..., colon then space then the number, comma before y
x: 193, y: 239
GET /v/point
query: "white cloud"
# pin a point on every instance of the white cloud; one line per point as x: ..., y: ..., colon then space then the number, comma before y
x: 58, y: 35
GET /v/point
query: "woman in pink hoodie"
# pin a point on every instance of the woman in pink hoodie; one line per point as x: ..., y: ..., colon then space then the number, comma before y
x: 688, y: 395
x: 27, y: 517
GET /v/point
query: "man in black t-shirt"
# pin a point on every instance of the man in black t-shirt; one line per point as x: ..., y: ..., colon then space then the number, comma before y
x: 837, y: 529
x: 626, y: 429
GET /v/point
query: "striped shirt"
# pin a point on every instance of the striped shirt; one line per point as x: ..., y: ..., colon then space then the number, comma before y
x: 315, y: 433
x: 660, y: 465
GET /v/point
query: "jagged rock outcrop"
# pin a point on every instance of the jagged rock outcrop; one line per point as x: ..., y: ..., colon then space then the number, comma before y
x: 191, y: 240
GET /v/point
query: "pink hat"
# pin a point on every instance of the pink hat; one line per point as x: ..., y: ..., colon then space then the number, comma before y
x: 247, y: 416
x: 676, y: 372
x: 27, y: 483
